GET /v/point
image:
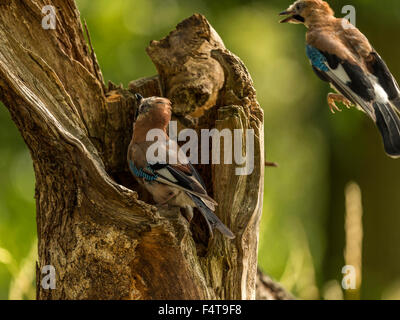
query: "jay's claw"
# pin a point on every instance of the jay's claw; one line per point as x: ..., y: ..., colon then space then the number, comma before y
x: 333, y: 98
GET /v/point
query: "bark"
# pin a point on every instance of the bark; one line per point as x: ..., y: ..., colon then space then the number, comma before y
x: 268, y: 289
x: 95, y: 225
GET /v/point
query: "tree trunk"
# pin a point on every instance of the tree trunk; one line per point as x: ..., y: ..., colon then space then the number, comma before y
x: 95, y: 225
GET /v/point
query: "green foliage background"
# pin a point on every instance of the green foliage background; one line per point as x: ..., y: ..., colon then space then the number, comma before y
x: 302, y: 233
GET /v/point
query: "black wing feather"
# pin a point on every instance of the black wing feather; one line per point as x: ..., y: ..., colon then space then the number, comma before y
x: 379, y: 69
x: 213, y: 221
x: 322, y: 75
x: 184, y: 180
x: 359, y: 82
x: 179, y: 175
x: 333, y: 60
x: 197, y: 175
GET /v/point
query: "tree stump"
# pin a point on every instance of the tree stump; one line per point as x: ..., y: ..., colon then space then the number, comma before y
x: 101, y: 233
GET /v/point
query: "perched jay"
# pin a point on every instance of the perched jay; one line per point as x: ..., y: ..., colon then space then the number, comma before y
x: 341, y: 55
x: 173, y: 184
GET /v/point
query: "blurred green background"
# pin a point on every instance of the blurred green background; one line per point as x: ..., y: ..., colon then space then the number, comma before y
x: 302, y: 236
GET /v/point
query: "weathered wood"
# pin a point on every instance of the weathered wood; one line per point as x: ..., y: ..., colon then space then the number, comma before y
x: 95, y: 226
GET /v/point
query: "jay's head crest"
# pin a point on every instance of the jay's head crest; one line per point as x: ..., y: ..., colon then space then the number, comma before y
x: 307, y: 11
x: 153, y: 110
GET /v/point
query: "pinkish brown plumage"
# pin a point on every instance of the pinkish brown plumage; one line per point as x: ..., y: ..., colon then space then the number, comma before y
x: 156, y: 113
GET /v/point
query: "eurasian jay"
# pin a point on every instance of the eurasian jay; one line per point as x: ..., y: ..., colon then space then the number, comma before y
x: 341, y: 55
x: 172, y: 184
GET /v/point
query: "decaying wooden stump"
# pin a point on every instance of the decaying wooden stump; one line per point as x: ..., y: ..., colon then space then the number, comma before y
x: 95, y: 226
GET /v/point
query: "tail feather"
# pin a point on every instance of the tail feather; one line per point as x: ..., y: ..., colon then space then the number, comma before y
x: 212, y: 220
x: 388, y: 123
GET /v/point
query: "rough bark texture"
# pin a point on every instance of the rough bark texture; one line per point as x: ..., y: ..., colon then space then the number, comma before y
x: 268, y: 289
x: 95, y: 225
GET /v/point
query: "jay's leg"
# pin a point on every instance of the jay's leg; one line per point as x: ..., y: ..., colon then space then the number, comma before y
x: 335, y: 97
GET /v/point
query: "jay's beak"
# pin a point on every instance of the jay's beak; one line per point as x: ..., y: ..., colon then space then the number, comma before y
x: 286, y: 13
x: 293, y: 17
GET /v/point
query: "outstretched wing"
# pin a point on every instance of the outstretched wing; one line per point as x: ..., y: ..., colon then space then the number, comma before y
x: 365, y: 90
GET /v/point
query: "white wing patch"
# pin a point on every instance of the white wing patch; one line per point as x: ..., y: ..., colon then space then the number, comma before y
x: 380, y: 93
x: 341, y: 74
x: 167, y: 174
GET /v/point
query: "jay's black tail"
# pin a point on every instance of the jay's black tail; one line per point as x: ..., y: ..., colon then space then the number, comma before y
x: 212, y: 220
x: 388, y: 122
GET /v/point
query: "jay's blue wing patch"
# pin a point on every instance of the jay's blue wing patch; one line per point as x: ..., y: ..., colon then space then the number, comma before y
x: 148, y: 175
x: 318, y: 60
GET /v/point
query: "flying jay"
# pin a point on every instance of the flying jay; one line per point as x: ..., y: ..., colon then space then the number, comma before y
x: 341, y: 55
